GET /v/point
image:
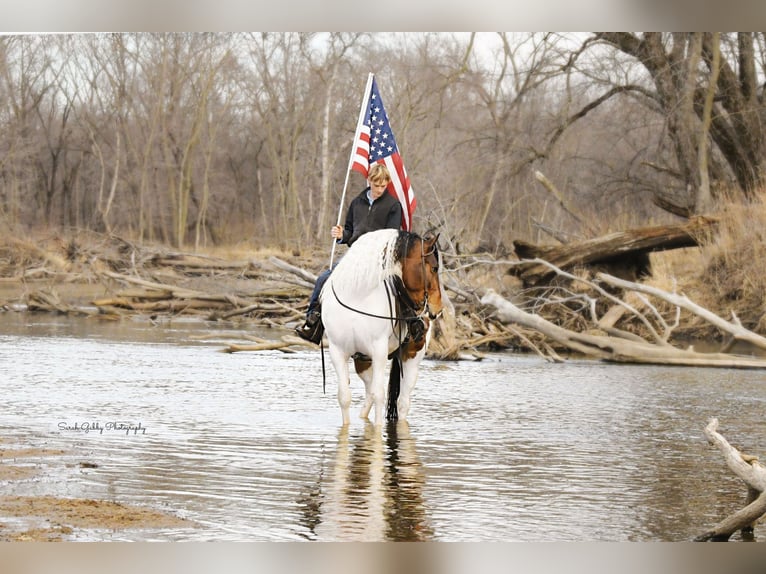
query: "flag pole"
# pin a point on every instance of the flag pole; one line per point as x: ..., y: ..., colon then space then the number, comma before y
x: 360, y: 121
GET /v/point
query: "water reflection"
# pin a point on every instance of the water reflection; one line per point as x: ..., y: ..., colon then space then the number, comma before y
x: 374, y: 490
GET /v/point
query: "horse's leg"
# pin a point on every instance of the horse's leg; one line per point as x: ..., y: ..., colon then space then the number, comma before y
x: 410, y: 367
x: 340, y: 362
x: 363, y: 366
x: 409, y: 378
x: 378, y: 388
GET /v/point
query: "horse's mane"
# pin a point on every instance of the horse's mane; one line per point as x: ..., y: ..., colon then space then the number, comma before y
x: 372, y: 258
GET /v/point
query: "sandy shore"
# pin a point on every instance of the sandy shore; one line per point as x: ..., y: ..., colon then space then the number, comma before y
x: 49, y: 518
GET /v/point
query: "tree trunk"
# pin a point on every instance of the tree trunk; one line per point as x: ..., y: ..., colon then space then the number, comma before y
x: 704, y: 200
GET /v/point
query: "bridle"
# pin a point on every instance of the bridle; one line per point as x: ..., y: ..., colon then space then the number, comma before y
x: 397, y: 286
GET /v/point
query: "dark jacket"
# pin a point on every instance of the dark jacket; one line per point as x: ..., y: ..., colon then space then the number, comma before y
x: 385, y: 212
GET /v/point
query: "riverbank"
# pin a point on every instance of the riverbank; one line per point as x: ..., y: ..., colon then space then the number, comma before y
x: 36, y: 517
x: 111, y: 278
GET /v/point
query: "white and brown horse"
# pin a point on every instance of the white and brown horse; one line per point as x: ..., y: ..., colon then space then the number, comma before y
x: 377, y: 304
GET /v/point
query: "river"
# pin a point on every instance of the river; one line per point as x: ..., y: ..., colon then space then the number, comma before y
x: 246, y: 445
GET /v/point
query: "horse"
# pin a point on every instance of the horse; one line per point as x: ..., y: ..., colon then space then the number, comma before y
x: 378, y: 303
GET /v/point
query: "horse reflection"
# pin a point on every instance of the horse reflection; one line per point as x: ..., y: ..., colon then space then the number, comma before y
x: 374, y: 491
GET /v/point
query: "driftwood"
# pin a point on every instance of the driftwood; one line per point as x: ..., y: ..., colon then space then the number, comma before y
x: 615, y: 349
x: 49, y: 301
x: 608, y: 344
x: 123, y: 278
x: 131, y: 278
x: 620, y: 248
x: 197, y: 262
x: 734, y: 328
x: 170, y: 290
x: 283, y: 345
x: 308, y: 278
x: 753, y: 474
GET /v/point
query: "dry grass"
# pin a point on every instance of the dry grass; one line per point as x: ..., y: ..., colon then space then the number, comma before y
x: 726, y: 274
x: 732, y: 275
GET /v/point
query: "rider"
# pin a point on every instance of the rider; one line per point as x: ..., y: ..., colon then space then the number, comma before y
x: 371, y: 210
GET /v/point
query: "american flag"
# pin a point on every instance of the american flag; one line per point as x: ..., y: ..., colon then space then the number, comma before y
x: 375, y: 143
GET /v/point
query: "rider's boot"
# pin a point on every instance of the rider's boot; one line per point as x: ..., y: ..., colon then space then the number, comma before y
x: 313, y: 329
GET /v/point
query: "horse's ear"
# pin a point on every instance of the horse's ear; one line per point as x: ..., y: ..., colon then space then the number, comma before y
x: 430, y: 237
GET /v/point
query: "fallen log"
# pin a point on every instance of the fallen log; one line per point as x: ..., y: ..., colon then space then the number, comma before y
x: 734, y: 327
x: 283, y: 345
x: 49, y: 301
x: 615, y: 349
x: 144, y: 294
x: 262, y: 307
x: 174, y: 291
x: 753, y: 474
x: 197, y: 262
x: 624, y: 248
x: 308, y: 278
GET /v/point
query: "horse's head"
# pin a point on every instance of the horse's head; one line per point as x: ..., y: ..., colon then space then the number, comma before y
x: 420, y: 274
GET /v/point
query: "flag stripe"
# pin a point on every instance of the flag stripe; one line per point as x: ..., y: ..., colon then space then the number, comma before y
x: 362, y: 153
x: 375, y: 138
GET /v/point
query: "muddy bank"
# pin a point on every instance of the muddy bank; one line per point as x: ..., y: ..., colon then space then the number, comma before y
x: 48, y: 518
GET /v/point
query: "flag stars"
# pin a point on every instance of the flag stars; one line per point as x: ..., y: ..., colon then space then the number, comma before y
x: 381, y: 140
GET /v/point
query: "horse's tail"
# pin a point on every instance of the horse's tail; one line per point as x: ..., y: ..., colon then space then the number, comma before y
x: 394, y: 384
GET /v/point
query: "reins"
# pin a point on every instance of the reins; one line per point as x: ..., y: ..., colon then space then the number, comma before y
x: 402, y: 293
x: 374, y: 315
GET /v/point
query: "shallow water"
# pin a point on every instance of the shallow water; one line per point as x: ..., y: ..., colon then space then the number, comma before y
x: 247, y: 446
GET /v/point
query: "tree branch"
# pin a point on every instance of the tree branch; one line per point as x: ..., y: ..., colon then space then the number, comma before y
x: 752, y: 473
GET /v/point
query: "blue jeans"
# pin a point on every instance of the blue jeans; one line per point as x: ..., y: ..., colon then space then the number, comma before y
x: 314, y: 300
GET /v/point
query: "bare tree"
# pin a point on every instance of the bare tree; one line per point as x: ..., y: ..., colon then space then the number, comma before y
x: 326, y: 64
x: 24, y: 66
x: 282, y: 108
x: 681, y: 87
x: 196, y: 136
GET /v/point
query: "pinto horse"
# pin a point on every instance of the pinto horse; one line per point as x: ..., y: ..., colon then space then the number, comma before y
x: 378, y: 303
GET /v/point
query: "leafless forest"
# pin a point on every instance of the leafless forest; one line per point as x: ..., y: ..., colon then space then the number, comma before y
x: 202, y: 139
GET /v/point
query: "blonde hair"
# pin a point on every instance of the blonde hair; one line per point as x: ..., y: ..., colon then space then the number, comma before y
x: 378, y: 174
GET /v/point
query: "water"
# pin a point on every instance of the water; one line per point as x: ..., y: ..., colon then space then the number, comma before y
x: 248, y: 447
